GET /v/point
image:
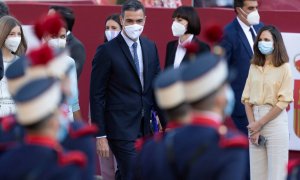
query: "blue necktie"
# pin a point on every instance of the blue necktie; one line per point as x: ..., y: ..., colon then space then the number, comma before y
x: 252, y: 34
x: 135, y: 58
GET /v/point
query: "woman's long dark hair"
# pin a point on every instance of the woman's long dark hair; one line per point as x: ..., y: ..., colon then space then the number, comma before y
x: 280, y: 55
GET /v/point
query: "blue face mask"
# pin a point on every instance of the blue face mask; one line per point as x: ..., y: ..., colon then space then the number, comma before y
x: 63, y: 128
x: 230, y: 102
x: 265, y: 47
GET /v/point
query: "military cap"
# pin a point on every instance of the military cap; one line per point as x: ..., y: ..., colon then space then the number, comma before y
x: 204, y: 76
x: 37, y: 99
x: 27, y: 68
x: 168, y: 89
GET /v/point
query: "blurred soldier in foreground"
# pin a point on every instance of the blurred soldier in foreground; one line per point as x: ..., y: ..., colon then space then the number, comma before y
x: 205, y: 149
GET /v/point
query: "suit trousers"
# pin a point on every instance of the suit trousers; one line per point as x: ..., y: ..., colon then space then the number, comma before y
x: 269, y: 162
x: 125, y: 154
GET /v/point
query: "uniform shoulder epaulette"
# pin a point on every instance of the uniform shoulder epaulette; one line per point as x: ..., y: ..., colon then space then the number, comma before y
x: 7, y: 123
x: 139, y: 143
x: 233, y: 140
x: 292, y: 164
x: 72, y: 157
x: 158, y: 136
x: 84, y: 130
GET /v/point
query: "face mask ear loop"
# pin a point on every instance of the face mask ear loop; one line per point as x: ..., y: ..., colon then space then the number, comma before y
x: 244, y: 14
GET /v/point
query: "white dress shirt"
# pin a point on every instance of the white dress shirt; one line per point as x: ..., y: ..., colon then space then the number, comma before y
x: 180, y: 51
x: 129, y: 43
x: 247, y: 32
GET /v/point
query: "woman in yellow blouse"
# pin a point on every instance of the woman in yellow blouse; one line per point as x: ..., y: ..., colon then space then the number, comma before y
x: 267, y: 93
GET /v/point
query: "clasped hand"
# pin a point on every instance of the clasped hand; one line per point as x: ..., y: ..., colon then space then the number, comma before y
x: 254, y: 127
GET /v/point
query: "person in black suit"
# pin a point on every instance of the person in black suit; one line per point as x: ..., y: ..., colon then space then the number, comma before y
x: 121, y: 94
x: 239, y: 36
x: 186, y: 26
x: 238, y: 39
x: 4, y: 10
x: 77, y: 50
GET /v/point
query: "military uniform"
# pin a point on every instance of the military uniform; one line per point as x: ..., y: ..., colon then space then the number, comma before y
x: 294, y: 170
x: 209, y: 154
x: 81, y: 137
x: 169, y: 94
x: 11, y: 133
x: 78, y: 135
x: 203, y: 149
x: 41, y: 158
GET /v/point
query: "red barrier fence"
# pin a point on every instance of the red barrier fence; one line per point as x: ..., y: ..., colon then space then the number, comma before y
x: 89, y: 28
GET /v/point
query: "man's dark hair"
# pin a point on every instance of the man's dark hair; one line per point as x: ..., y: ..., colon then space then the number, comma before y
x: 190, y: 14
x: 67, y: 15
x: 238, y: 3
x: 132, y: 5
x: 4, y: 10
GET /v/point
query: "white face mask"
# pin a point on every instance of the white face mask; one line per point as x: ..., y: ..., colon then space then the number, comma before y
x: 110, y: 34
x: 57, y: 43
x: 178, y: 29
x: 253, y: 18
x: 12, y: 43
x: 134, y: 31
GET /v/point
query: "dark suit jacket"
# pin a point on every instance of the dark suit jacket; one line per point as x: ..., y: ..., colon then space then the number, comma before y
x: 172, y: 47
x: 1, y: 66
x: 239, y: 54
x: 117, y: 99
x: 77, y: 52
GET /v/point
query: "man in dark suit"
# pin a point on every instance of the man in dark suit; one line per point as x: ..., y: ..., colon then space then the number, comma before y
x: 121, y: 93
x: 4, y: 10
x: 77, y: 50
x: 238, y: 42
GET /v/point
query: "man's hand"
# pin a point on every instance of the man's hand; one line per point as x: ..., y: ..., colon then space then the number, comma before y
x: 102, y: 147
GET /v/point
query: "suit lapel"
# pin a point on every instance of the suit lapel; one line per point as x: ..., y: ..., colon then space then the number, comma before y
x: 145, y: 61
x: 186, y: 56
x: 127, y: 53
x: 69, y: 38
x: 243, y: 38
x: 257, y: 27
x: 173, y: 53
